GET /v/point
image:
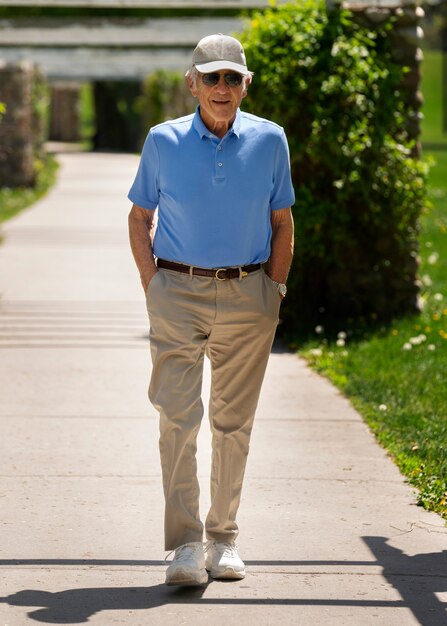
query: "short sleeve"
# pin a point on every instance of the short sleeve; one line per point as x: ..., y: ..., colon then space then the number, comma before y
x: 145, y: 189
x: 283, y: 194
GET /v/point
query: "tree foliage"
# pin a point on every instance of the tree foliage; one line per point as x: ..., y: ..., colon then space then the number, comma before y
x: 334, y: 87
x: 165, y: 96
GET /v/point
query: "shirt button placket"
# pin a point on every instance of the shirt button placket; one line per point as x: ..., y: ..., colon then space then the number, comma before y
x: 219, y: 163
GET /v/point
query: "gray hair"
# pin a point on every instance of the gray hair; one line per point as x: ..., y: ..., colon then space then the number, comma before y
x: 193, y: 73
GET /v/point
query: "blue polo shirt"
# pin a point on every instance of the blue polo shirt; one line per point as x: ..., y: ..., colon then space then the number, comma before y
x: 214, y: 196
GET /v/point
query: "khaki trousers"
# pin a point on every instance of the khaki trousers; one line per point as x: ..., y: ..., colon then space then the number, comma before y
x: 233, y: 322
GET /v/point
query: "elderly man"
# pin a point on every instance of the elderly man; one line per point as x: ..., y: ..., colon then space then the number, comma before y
x: 214, y: 275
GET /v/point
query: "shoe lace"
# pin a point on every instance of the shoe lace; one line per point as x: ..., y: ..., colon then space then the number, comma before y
x: 224, y: 547
x: 230, y: 549
x: 183, y: 553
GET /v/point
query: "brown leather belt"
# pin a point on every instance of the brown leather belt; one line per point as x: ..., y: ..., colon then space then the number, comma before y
x: 222, y: 273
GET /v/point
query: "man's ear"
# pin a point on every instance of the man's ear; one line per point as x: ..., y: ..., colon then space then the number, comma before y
x: 192, y: 87
x: 246, y: 84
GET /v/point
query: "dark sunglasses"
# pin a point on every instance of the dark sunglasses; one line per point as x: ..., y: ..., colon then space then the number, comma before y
x: 232, y: 79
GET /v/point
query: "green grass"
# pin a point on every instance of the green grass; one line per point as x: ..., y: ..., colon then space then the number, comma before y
x: 396, y: 376
x: 14, y: 200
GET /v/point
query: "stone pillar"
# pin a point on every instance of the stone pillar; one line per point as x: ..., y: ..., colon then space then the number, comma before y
x: 17, y: 135
x: 406, y: 37
x: 65, y: 112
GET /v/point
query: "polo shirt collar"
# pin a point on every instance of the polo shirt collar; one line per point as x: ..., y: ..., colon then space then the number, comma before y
x: 203, y: 131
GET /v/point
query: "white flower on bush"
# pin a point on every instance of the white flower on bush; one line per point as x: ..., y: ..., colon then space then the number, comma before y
x: 433, y: 258
x: 407, y: 346
x: 431, y: 347
x: 341, y: 339
x: 438, y: 297
x: 383, y: 407
x: 319, y: 330
x: 422, y: 301
x: 316, y: 352
x: 416, y: 341
x: 426, y: 280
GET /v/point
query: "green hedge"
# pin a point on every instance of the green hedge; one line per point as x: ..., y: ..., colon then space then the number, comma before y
x: 16, y: 199
x: 40, y: 99
x: 126, y: 110
x: 118, y: 122
x: 165, y: 96
x: 334, y: 87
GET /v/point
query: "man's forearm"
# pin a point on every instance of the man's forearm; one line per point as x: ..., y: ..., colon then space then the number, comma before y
x: 281, y: 245
x: 140, y: 223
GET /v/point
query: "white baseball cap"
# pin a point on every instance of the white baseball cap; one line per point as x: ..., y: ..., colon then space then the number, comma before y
x: 219, y: 52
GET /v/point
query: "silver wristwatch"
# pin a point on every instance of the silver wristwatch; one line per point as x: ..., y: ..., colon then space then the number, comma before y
x: 281, y: 287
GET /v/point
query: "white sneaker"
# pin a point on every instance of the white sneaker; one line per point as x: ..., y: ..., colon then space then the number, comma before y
x: 223, y: 561
x: 188, y: 566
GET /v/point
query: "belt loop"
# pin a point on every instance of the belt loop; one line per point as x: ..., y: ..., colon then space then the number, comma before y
x: 191, y: 270
x: 242, y: 274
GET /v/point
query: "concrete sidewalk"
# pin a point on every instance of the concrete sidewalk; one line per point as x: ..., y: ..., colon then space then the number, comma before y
x: 329, y: 530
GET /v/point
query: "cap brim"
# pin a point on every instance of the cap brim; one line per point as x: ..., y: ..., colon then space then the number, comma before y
x: 216, y: 66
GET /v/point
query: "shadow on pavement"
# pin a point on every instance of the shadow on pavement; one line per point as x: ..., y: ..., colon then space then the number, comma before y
x: 416, y: 578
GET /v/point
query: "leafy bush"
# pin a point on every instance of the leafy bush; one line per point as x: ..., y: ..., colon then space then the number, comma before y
x: 40, y: 107
x: 16, y: 199
x: 334, y: 87
x: 118, y: 122
x: 165, y: 96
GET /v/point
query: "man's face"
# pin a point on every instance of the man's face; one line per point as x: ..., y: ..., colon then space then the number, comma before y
x: 218, y: 103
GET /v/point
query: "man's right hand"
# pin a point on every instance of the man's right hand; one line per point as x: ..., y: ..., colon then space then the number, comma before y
x: 146, y: 281
x: 140, y: 226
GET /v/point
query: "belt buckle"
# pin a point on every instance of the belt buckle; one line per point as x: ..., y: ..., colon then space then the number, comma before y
x: 216, y: 274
